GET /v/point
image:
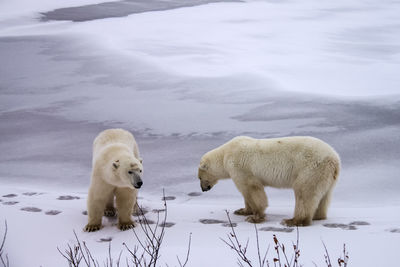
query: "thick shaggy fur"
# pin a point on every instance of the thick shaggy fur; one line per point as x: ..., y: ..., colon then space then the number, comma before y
x: 117, y: 170
x: 306, y: 164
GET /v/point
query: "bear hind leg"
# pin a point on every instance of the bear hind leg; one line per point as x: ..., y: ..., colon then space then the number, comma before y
x: 305, y: 207
x: 110, y: 209
x: 322, y: 210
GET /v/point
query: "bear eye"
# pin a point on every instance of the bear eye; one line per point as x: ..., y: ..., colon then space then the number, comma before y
x: 140, y: 171
x: 130, y: 172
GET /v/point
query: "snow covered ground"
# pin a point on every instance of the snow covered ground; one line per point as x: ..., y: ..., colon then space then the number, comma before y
x: 185, y: 80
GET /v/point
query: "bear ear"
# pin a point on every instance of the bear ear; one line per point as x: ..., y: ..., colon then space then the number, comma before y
x: 116, y: 164
x: 203, y: 166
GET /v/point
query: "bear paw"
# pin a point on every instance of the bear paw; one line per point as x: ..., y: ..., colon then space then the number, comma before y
x: 296, y: 222
x: 110, y: 212
x: 255, y: 219
x: 242, y: 211
x: 92, y: 227
x: 126, y: 226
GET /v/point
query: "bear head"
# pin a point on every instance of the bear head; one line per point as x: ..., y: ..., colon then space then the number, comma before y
x: 206, y: 176
x: 127, y: 172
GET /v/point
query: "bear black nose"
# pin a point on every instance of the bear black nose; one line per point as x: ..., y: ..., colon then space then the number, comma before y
x: 139, y: 184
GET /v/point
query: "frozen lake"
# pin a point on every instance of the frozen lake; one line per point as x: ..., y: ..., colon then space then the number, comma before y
x: 185, y: 78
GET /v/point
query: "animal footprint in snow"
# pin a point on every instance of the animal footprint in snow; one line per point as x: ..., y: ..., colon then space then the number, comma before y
x: 167, y: 224
x: 277, y: 229
x: 31, y: 209
x: 9, y: 203
x: 31, y: 194
x: 168, y: 198
x: 211, y: 221
x: 194, y: 194
x: 360, y: 223
x: 340, y: 225
x: 52, y: 212
x: 67, y: 197
x: 10, y: 195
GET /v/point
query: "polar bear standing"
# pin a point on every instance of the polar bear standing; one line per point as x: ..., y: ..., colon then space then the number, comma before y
x: 306, y: 164
x: 117, y: 170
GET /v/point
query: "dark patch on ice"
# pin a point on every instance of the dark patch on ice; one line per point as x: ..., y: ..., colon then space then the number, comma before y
x: 84, y: 212
x: 146, y: 221
x: 394, y: 230
x: 276, y: 229
x: 359, y: 223
x: 167, y: 224
x: 194, y: 194
x: 211, y: 221
x: 52, y: 212
x: 168, y: 198
x: 10, y: 195
x: 158, y: 210
x: 31, y: 193
x: 31, y: 209
x: 340, y: 225
x: 105, y: 239
x: 229, y: 224
x: 119, y: 9
x: 10, y: 202
x: 141, y: 211
x: 67, y: 197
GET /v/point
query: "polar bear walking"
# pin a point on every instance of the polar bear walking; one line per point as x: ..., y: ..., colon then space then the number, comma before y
x: 117, y: 171
x: 306, y: 164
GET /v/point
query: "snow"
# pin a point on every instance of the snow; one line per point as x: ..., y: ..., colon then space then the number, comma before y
x: 185, y: 80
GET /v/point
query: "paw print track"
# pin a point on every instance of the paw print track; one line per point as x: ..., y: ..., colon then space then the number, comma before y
x: 105, y: 239
x: 31, y: 194
x: 158, y: 210
x: 276, y: 229
x: 67, y: 197
x: 52, y: 212
x: 10, y: 195
x: 194, y: 194
x: 9, y: 203
x: 359, y: 223
x: 211, y: 221
x: 229, y: 224
x: 340, y: 225
x: 167, y: 224
x: 168, y: 198
x: 31, y: 209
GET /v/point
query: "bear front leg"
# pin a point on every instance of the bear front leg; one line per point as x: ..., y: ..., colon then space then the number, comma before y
x: 125, y: 198
x: 258, y: 202
x: 244, y: 211
x: 95, y: 214
x: 110, y: 209
x: 255, y: 200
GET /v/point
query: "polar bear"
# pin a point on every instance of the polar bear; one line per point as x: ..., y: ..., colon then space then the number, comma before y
x: 117, y: 170
x: 307, y: 165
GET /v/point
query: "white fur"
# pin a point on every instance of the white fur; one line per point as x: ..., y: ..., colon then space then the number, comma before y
x: 117, y: 169
x: 306, y: 164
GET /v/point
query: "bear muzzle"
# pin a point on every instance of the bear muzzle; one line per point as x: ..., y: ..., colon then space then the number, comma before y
x: 138, y: 185
x: 206, y: 188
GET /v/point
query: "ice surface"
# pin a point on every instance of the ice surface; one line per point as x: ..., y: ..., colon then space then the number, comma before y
x: 185, y: 81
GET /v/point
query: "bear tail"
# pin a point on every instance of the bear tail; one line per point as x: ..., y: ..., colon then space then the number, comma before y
x: 334, y: 166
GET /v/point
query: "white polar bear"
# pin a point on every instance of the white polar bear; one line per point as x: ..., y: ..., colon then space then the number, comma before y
x: 306, y: 164
x: 117, y: 171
